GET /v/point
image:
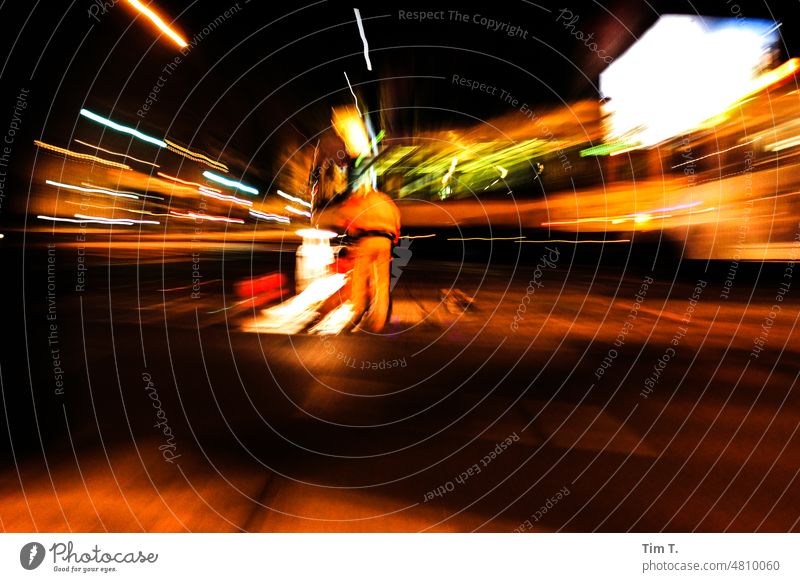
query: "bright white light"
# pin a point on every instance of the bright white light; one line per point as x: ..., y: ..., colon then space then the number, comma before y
x: 115, y: 153
x: 95, y: 190
x: 316, y: 233
x: 294, y: 210
x: 117, y: 220
x: 682, y: 71
x: 123, y: 128
x: 363, y: 38
x: 201, y: 217
x: 783, y: 144
x: 156, y: 19
x: 84, y: 221
x: 294, y: 199
x: 267, y: 216
x: 346, y: 78
x: 232, y: 183
x: 336, y: 320
x: 211, y: 194
x: 293, y: 315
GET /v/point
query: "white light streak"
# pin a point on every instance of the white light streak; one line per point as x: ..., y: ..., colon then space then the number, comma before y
x: 363, y: 38
x: 83, y: 221
x: 122, y: 128
x: 117, y: 220
x: 115, y: 153
x: 296, y: 211
x: 294, y: 199
x: 96, y: 190
x: 232, y: 183
x: 267, y: 216
x: 352, y: 93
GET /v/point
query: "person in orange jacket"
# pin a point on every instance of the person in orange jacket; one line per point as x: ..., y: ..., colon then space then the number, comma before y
x: 372, y: 220
x: 375, y: 226
x: 369, y: 217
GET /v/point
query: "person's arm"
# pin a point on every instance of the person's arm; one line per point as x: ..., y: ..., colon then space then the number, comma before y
x: 333, y: 217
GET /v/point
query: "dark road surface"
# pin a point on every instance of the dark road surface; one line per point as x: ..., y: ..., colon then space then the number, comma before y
x: 619, y: 399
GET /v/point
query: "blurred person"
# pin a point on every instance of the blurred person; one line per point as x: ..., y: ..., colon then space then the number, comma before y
x: 375, y: 227
x: 347, y: 201
x: 371, y: 220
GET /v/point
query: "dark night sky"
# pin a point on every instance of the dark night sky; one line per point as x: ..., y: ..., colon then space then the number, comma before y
x: 269, y: 74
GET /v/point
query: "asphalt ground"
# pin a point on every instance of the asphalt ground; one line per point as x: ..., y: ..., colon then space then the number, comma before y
x: 529, y: 409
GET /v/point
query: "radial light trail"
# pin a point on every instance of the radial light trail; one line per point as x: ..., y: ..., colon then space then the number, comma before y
x: 117, y: 220
x: 83, y: 221
x: 294, y: 199
x: 197, y: 157
x: 296, y: 211
x: 363, y: 38
x: 137, y: 194
x: 623, y: 218
x: 78, y: 156
x: 576, y: 242
x: 487, y: 238
x: 225, y: 198
x: 196, y: 216
x: 187, y: 183
x: 267, y: 216
x: 123, y: 128
x: 94, y: 190
x: 346, y: 78
x: 156, y: 19
x: 230, y: 183
x: 115, y: 153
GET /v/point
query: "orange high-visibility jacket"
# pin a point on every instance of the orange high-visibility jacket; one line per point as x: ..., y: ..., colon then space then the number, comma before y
x: 365, y: 212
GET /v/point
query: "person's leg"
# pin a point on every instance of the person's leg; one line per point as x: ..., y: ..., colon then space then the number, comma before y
x: 379, y: 250
x: 359, y: 280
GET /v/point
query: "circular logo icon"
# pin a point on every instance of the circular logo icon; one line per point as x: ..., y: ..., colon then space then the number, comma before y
x: 31, y: 555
